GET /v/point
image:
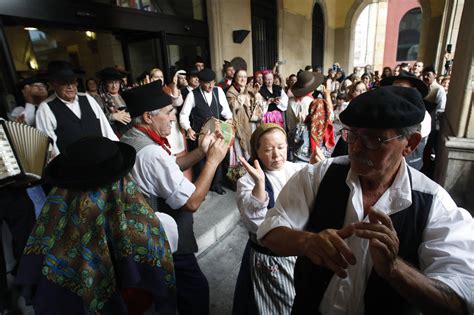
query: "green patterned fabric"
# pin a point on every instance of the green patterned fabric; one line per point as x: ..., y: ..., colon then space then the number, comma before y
x: 78, y: 232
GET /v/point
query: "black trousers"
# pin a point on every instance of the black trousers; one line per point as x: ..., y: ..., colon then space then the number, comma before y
x: 218, y: 178
x: 192, y: 286
x: 17, y: 210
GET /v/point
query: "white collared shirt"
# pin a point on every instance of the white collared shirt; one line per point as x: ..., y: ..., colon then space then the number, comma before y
x: 157, y: 174
x: 189, y: 104
x: 449, y: 229
x: 46, y: 121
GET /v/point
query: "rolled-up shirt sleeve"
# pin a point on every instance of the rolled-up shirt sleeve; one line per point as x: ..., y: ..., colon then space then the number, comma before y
x: 447, y: 251
x: 157, y: 174
x: 296, y: 199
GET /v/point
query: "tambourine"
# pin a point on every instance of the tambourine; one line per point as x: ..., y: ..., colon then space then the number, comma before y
x: 213, y: 124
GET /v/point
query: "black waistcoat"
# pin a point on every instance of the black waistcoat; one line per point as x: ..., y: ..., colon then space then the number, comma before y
x: 311, y: 280
x: 184, y: 220
x: 202, y: 111
x: 267, y: 94
x: 69, y: 127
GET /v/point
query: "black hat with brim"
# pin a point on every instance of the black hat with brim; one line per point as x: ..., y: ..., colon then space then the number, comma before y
x: 59, y: 70
x: 38, y: 78
x: 410, y: 77
x: 206, y: 75
x: 307, y: 81
x: 385, y: 108
x: 110, y: 73
x: 146, y: 98
x: 89, y: 163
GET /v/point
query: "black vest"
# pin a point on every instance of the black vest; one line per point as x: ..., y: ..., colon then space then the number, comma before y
x: 184, y: 220
x: 69, y: 127
x: 266, y: 95
x: 311, y: 280
x: 202, y: 111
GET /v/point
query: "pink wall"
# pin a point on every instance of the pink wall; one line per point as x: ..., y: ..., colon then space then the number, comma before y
x: 396, y: 10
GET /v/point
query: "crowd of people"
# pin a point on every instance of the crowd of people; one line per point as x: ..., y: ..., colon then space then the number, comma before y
x: 331, y: 174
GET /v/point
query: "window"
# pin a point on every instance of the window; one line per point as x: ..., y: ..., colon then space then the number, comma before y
x: 193, y: 9
x: 264, y: 34
x: 409, y: 35
x: 32, y: 49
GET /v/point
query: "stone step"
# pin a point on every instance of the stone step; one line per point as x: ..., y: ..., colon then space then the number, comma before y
x: 217, y: 215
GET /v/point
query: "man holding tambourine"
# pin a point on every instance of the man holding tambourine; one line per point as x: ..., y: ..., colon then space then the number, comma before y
x: 203, y: 103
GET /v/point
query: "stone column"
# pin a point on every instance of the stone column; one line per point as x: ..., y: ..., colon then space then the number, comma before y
x: 449, y: 31
x: 379, y: 44
x: 455, y: 163
x: 224, y: 17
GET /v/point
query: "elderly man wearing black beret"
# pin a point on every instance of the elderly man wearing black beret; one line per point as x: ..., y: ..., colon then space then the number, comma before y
x: 160, y: 177
x: 373, y: 235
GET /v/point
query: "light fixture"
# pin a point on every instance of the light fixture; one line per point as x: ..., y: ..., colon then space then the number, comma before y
x: 90, y: 35
x: 30, y: 28
x: 33, y: 64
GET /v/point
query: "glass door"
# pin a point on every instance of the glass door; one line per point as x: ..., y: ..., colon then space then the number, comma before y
x: 182, y: 52
x: 143, y: 54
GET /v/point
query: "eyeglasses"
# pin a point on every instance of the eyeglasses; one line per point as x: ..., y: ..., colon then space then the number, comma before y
x: 369, y: 141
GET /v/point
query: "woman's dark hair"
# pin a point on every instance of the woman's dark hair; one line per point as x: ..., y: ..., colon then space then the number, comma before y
x: 87, y: 83
x: 352, y: 89
x: 384, y: 70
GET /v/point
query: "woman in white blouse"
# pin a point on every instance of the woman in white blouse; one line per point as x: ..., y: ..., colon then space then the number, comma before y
x: 265, y: 281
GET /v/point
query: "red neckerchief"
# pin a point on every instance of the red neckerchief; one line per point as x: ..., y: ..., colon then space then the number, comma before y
x: 162, y: 141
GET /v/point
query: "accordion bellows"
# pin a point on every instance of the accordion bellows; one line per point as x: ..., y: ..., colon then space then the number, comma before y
x: 23, y: 153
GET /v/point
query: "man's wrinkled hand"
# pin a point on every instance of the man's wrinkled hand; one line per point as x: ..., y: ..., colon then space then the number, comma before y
x: 206, y: 141
x: 217, y: 151
x: 328, y: 249
x: 383, y: 241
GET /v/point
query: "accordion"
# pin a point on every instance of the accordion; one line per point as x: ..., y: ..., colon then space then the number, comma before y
x: 23, y: 153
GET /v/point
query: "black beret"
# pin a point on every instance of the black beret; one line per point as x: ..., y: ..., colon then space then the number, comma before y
x: 146, y: 98
x: 110, y: 73
x: 384, y: 108
x: 410, y: 77
x: 429, y: 68
x: 206, y: 75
